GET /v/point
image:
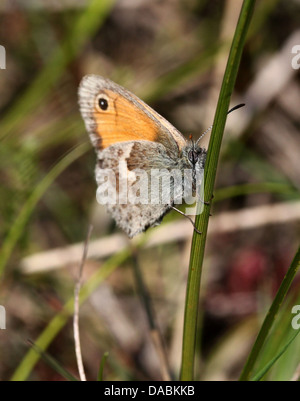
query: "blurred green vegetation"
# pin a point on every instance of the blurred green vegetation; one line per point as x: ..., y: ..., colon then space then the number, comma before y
x: 169, y: 53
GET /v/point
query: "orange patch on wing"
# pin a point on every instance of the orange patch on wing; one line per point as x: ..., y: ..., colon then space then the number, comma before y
x: 122, y: 121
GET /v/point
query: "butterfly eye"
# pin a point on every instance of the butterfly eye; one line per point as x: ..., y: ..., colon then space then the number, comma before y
x: 103, y: 103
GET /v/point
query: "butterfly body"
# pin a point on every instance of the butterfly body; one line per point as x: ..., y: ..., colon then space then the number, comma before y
x: 135, y: 148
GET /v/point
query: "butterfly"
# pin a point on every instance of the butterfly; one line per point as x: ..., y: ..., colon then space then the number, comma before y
x: 144, y: 165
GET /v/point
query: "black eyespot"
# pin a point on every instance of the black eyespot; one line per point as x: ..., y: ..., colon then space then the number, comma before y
x: 103, y: 103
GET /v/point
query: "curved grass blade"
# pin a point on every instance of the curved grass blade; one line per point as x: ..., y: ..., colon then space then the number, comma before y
x: 53, y: 363
x: 268, y: 366
x: 255, y: 188
x: 271, y: 316
x: 101, y: 368
x: 21, y: 220
x: 82, y: 29
x: 59, y: 321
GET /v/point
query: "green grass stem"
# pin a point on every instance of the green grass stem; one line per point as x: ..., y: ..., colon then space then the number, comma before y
x: 198, y: 243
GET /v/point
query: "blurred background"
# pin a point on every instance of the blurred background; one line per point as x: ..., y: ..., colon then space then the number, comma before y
x: 172, y: 54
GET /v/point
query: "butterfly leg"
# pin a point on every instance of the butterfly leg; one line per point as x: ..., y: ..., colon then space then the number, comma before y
x: 188, y: 217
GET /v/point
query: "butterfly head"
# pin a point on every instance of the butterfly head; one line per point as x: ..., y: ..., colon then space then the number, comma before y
x: 195, y: 155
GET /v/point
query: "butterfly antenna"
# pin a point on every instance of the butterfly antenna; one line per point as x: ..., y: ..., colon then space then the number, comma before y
x: 210, y: 128
x: 203, y: 134
x: 236, y: 107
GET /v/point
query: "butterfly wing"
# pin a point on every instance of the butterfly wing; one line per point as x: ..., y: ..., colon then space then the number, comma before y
x: 126, y: 179
x: 134, y: 142
x: 112, y: 115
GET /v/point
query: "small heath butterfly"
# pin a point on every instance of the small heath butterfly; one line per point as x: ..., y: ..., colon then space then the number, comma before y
x: 144, y: 166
